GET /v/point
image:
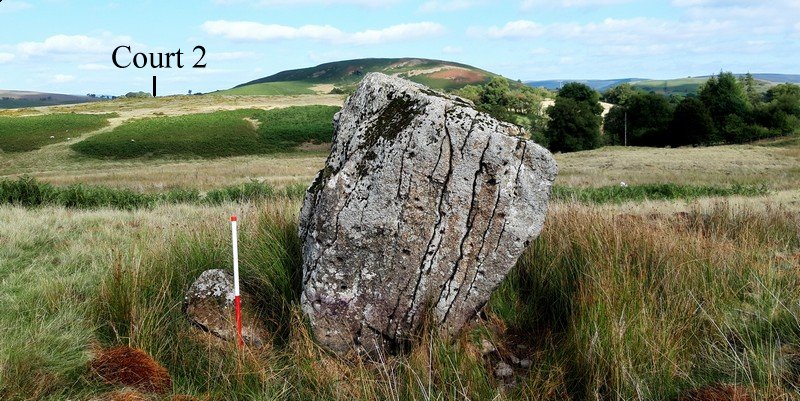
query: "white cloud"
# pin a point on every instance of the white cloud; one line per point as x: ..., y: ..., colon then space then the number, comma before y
x: 530, y: 4
x: 6, y: 57
x: 254, y: 31
x: 62, y: 79
x: 452, y: 50
x: 540, y: 51
x: 72, y: 44
x: 512, y: 30
x: 14, y: 7
x: 397, y: 33
x: 723, y: 3
x: 635, y: 31
x: 753, y: 17
x: 268, y: 3
x: 447, y: 6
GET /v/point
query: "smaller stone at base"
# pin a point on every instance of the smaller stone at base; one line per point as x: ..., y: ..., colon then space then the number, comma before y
x: 209, y: 305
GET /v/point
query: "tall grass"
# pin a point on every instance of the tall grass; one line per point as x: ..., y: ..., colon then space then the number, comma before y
x: 605, y: 305
x: 640, y: 308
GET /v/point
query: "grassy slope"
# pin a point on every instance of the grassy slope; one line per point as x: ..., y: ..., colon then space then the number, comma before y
x: 22, y: 134
x: 290, y: 88
x: 218, y: 134
x: 59, y: 164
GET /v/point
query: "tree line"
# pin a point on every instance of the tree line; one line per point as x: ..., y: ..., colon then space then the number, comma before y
x: 726, y: 110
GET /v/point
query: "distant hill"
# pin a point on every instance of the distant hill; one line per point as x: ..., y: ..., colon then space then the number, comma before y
x: 679, y: 86
x: 15, y: 99
x: 344, y: 75
x: 599, y: 85
x: 778, y: 78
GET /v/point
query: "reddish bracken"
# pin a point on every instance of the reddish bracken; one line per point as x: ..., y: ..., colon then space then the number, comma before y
x: 131, y: 367
x: 716, y: 392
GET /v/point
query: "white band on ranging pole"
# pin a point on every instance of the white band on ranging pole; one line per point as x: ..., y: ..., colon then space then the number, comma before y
x: 236, y: 298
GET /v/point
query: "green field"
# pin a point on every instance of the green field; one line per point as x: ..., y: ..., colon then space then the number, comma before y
x: 22, y: 134
x: 685, y: 86
x: 291, y: 88
x: 218, y: 134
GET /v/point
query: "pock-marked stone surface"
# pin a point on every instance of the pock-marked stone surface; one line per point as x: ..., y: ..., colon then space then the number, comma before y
x: 423, y: 207
x: 209, y: 305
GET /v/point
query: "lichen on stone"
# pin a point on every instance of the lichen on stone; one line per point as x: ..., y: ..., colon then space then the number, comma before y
x: 397, y: 115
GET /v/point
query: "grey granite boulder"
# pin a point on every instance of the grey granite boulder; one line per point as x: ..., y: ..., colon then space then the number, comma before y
x: 209, y: 305
x: 423, y: 207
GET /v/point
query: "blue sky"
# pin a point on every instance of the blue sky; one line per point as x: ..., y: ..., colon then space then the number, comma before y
x: 65, y: 46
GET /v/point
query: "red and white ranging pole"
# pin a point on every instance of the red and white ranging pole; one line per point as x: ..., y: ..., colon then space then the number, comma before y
x: 237, y: 301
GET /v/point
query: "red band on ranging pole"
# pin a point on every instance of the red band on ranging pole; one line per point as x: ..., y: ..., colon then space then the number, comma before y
x: 237, y: 301
x: 236, y: 296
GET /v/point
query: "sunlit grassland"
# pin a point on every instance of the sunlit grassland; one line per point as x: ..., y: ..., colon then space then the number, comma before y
x: 777, y: 167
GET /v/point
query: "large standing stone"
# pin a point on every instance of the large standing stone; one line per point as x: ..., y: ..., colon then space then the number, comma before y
x: 422, y: 208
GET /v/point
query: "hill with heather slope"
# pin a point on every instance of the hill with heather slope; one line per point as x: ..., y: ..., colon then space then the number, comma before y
x: 344, y: 75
